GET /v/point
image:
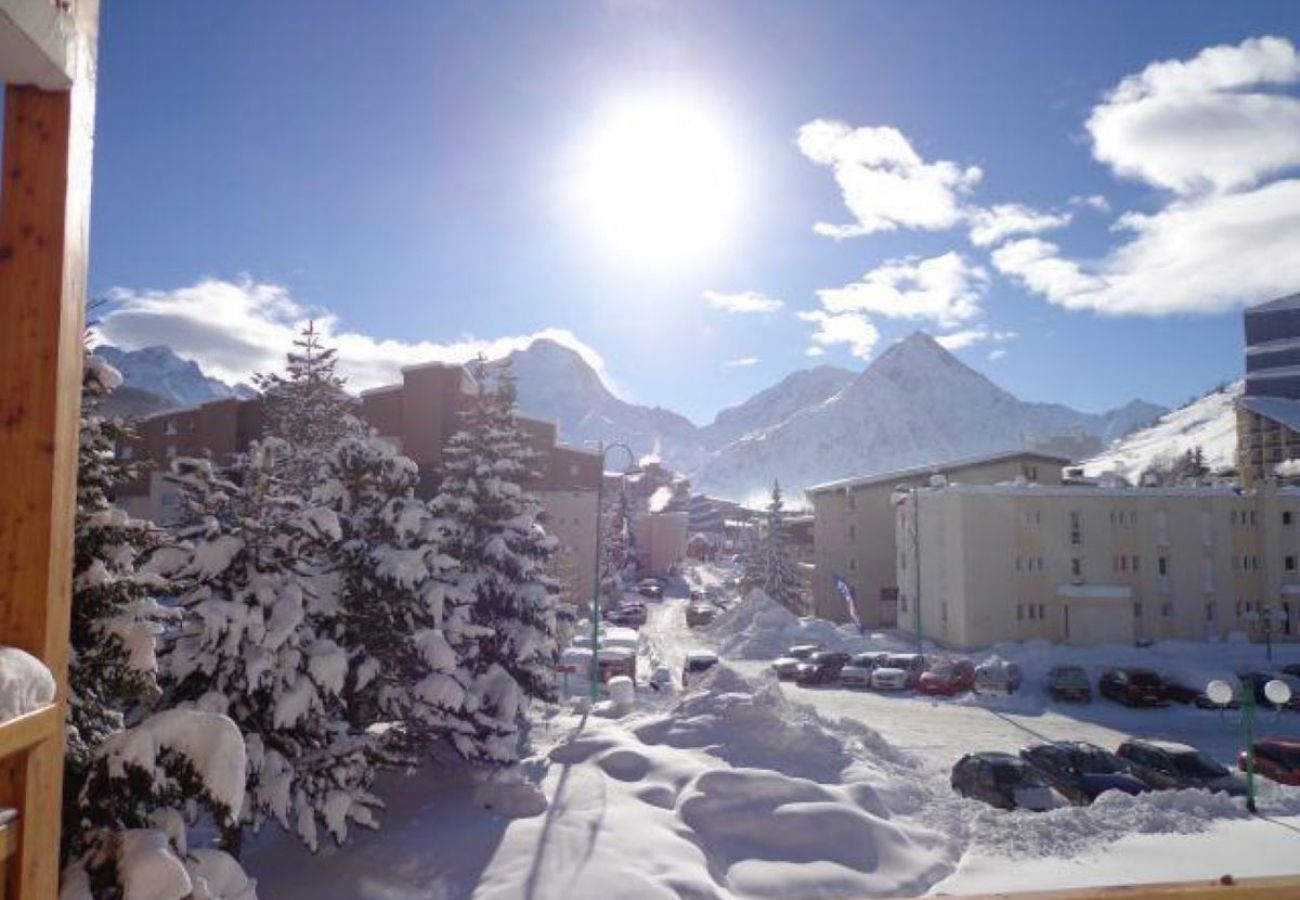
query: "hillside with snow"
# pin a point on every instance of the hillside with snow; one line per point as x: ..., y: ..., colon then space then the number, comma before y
x: 797, y: 391
x: 1209, y: 423
x: 917, y: 403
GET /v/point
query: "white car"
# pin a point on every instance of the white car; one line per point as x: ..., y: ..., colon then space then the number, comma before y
x: 889, y: 679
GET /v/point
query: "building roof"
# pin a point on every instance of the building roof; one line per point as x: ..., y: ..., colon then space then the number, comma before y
x: 1088, y: 490
x: 1279, y: 409
x: 1291, y: 301
x: 935, y: 468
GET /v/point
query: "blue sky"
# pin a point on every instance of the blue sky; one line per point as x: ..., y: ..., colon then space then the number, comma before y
x: 409, y: 171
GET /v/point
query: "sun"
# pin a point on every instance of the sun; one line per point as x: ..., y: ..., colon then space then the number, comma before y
x: 658, y: 182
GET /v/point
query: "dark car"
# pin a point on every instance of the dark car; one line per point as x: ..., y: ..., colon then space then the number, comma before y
x: 1293, y: 669
x: 1168, y: 766
x: 651, y: 589
x: 1133, y: 687
x: 1069, y: 683
x: 1083, y: 771
x: 1257, y: 680
x: 822, y: 667
x: 1277, y: 759
x: 1002, y: 780
x: 627, y: 613
x: 700, y: 614
x: 947, y: 677
x: 786, y: 666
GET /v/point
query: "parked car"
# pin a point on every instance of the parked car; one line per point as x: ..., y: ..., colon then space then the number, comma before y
x: 700, y: 614
x: 1293, y: 669
x: 1169, y: 766
x: 947, y: 677
x: 1277, y: 759
x: 1002, y: 780
x: 1069, y: 683
x: 650, y: 589
x: 898, y: 672
x: 1133, y: 687
x: 1081, y: 771
x: 822, y: 667
x: 785, y: 666
x: 1257, y: 680
x: 697, y: 663
x: 997, y: 676
x: 628, y: 613
x: 858, y: 672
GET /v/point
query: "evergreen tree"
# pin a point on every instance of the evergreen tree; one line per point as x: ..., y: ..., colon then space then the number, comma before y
x: 254, y: 646
x: 308, y: 408
x: 509, y: 644
x: 779, y: 579
x: 393, y: 581
x: 616, y: 536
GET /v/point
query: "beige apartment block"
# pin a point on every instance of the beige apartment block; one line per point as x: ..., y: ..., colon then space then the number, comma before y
x: 853, y: 527
x: 660, y: 542
x: 1089, y: 565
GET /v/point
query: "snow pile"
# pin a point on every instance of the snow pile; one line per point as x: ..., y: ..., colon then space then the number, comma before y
x: 760, y: 628
x: 25, y: 683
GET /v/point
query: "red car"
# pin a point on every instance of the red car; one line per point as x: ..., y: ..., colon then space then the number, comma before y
x: 1277, y: 759
x: 947, y: 677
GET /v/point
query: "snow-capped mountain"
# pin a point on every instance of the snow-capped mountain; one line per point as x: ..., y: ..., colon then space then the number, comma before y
x: 796, y: 391
x: 159, y: 371
x: 1209, y: 423
x: 917, y: 403
x: 556, y: 383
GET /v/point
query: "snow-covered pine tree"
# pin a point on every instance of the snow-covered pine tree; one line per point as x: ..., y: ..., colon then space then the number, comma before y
x: 393, y: 580
x: 615, y: 549
x: 509, y: 647
x: 308, y: 408
x: 253, y: 642
x: 780, y: 581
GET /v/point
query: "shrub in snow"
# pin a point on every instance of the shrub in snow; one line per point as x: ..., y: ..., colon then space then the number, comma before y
x: 508, y: 645
x: 393, y: 580
x: 254, y: 641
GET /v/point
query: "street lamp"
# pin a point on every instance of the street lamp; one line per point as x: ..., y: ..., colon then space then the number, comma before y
x: 603, y: 450
x: 1266, y: 617
x: 1276, y: 691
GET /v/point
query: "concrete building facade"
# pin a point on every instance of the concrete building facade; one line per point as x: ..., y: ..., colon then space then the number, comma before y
x: 853, y: 527
x: 1089, y: 565
x: 418, y: 417
x: 1268, y: 413
x: 660, y: 542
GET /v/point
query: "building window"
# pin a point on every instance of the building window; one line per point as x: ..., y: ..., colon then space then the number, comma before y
x: 171, y: 451
x: 1042, y: 611
x: 1137, y: 610
x: 1209, y: 612
x: 1137, y: 563
x: 1166, y: 610
x: 853, y: 565
x: 126, y: 452
x: 1040, y: 564
x: 1038, y: 517
x: 1076, y: 527
x: 1289, y: 564
x: 1286, y: 517
x: 170, y: 500
x: 1254, y: 564
x: 1253, y: 520
x: 1031, y: 612
x: 943, y: 612
x: 1020, y: 612
x: 1123, y: 563
x: 1076, y: 567
x: 853, y: 532
x: 1162, y: 565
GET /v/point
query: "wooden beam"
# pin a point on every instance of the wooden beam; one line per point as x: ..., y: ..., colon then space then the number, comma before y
x: 21, y: 734
x: 44, y: 235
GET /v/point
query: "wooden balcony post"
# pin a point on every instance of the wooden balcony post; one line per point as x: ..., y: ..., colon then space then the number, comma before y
x: 44, y: 233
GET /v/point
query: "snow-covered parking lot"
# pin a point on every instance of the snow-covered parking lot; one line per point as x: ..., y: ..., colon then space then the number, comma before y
x: 746, y: 787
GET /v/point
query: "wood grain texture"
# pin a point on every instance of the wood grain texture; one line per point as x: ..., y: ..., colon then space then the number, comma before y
x: 44, y: 233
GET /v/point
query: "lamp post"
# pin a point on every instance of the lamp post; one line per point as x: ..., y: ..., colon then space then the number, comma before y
x: 603, y: 450
x: 1278, y: 693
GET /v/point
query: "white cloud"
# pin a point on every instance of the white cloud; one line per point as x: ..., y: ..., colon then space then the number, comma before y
x: 846, y: 328
x: 1092, y: 201
x: 741, y: 363
x: 814, y: 350
x: 1203, y: 255
x: 1213, y: 122
x: 945, y: 289
x: 989, y: 225
x: 742, y: 302
x: 885, y: 182
x: 959, y: 340
x: 235, y: 328
x: 997, y: 354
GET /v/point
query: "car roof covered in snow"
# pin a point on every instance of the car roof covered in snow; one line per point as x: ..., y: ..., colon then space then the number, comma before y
x: 700, y: 655
x: 1166, y: 746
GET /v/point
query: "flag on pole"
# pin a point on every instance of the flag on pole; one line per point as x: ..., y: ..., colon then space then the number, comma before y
x: 847, y: 593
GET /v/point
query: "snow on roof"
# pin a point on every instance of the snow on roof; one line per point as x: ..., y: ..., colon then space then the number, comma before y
x: 1090, y: 490
x: 936, y: 467
x: 1286, y: 343
x: 1279, y: 409
x: 382, y: 389
x: 1095, y: 591
x: 700, y: 655
x: 1291, y: 301
x: 1169, y: 746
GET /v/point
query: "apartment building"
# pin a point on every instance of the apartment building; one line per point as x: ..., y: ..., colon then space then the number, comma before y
x: 1088, y: 565
x: 853, y: 527
x: 1268, y: 413
x: 418, y: 416
x: 661, y: 539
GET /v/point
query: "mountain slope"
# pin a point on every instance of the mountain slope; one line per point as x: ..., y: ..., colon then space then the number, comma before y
x: 1209, y: 423
x: 556, y: 383
x: 159, y: 371
x: 915, y: 404
x: 796, y: 391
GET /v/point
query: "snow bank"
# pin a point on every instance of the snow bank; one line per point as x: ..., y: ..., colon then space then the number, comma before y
x: 25, y: 683
x: 760, y: 628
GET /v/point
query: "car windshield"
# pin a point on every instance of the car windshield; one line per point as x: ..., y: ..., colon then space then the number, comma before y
x: 1144, y: 679
x: 1069, y: 674
x: 700, y: 664
x: 1011, y: 775
x: 1094, y: 761
x: 898, y: 662
x: 1194, y: 764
